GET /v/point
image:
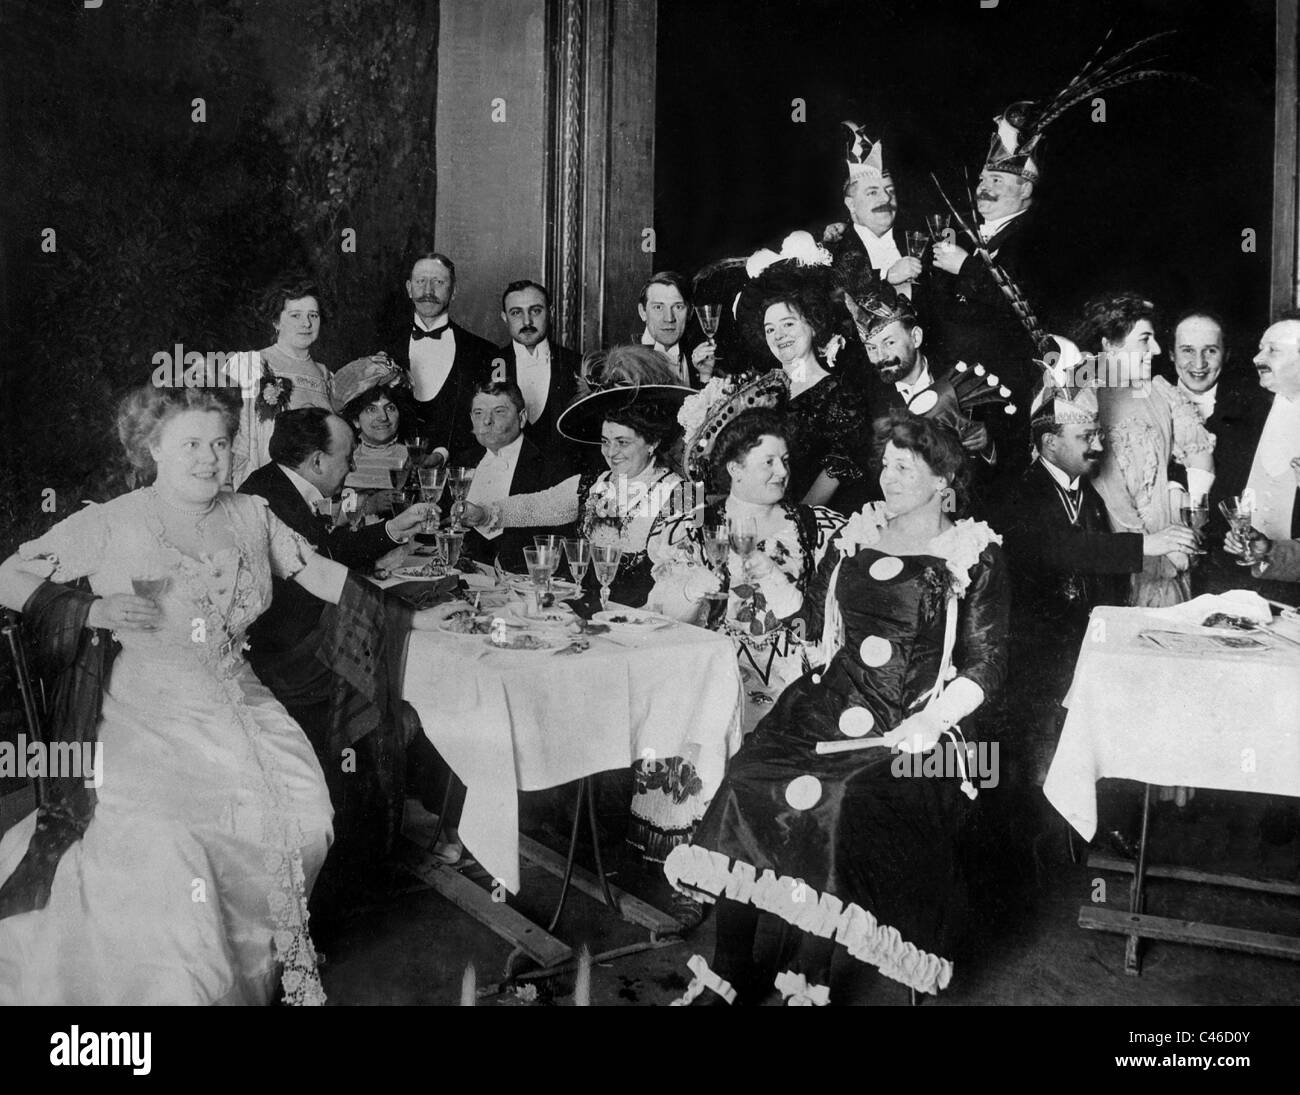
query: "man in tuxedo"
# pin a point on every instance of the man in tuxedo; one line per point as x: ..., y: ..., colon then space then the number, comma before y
x: 443, y: 360
x: 506, y: 462
x: 976, y: 321
x: 1063, y: 560
x: 544, y: 371
x: 311, y: 453
x: 665, y: 309
x: 872, y: 236
x: 1228, y: 401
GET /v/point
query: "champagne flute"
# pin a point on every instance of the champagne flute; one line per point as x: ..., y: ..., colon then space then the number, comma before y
x: 1195, y: 517
x: 397, y: 499
x: 605, y: 558
x: 541, y: 562
x: 550, y: 547
x: 938, y: 223
x: 459, y: 480
x: 917, y: 242
x: 709, y: 315
x: 715, y: 551
x: 578, y: 552
x: 433, y: 481
x: 1240, y: 511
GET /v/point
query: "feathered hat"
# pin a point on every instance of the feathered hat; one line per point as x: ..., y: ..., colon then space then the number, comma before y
x: 1018, y: 130
x: 704, y: 414
x: 802, y: 271
x: 1060, y: 400
x: 875, y: 305
x: 866, y: 158
x: 622, y: 377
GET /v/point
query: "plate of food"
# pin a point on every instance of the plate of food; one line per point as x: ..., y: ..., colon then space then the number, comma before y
x: 632, y: 619
x: 503, y: 638
x: 424, y: 571
x: 468, y: 622
x: 559, y: 614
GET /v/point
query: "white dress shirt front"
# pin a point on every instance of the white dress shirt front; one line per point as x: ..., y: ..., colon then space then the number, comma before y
x: 431, y: 359
x: 908, y: 391
x: 492, y: 478
x: 673, y: 353
x: 1204, y: 401
x: 533, y: 370
x: 1271, y: 478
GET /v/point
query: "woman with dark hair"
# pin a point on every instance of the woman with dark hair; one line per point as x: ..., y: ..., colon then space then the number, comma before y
x: 284, y: 376
x: 818, y: 824
x: 1148, y: 422
x: 785, y: 312
x: 185, y: 878
x: 633, y: 421
x: 374, y: 397
x: 744, y: 441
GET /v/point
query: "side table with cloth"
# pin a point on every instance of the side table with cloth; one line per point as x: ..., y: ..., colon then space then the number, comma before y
x: 1215, y: 720
x: 509, y: 721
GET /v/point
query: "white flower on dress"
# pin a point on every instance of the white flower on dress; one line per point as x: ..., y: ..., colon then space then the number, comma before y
x: 861, y: 530
x: 960, y: 547
x: 696, y: 408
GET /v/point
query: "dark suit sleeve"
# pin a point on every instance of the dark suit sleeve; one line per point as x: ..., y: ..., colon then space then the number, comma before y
x: 359, y: 548
x: 984, y: 623
x: 1053, y: 549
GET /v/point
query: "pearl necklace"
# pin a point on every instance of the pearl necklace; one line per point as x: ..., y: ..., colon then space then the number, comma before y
x: 197, y: 515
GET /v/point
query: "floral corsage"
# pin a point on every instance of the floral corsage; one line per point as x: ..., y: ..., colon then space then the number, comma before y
x: 603, y: 509
x: 273, y: 394
x: 753, y: 612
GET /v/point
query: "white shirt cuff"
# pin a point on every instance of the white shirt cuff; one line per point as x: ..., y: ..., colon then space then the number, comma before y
x: 959, y: 699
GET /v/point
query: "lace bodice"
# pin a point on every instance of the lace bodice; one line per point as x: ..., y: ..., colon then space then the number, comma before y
x: 208, y: 603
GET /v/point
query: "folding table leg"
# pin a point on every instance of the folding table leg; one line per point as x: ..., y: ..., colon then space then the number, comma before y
x: 1132, y: 959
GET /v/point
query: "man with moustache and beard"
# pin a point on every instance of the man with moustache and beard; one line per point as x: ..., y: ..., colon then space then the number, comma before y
x: 545, y: 371
x: 1063, y: 558
x: 443, y: 360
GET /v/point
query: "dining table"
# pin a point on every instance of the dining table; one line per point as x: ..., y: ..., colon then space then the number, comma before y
x: 597, y: 699
x: 1161, y: 700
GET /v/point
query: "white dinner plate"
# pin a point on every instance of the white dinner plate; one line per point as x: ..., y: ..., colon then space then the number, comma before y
x: 632, y: 620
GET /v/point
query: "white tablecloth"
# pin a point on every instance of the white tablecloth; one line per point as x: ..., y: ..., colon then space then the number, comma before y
x: 525, y: 720
x: 1228, y: 721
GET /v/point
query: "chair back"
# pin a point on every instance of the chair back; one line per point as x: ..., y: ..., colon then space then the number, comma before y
x: 29, y: 691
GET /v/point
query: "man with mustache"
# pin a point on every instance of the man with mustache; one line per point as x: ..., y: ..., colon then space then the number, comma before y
x: 1062, y: 556
x: 545, y: 372
x: 974, y: 317
x: 872, y: 202
x: 443, y: 360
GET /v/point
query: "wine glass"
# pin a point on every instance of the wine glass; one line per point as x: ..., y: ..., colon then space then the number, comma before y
x: 150, y: 580
x: 709, y: 315
x: 397, y: 499
x: 1240, y: 511
x: 742, y: 535
x: 938, y: 223
x: 541, y: 564
x: 550, y: 548
x: 1195, y: 516
x: 459, y: 480
x: 433, y: 481
x: 331, y: 508
x: 716, y: 545
x: 578, y: 552
x: 449, y: 544
x: 605, y: 558
x: 917, y: 242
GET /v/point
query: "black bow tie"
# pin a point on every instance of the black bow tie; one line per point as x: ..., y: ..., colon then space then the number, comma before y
x: 418, y: 333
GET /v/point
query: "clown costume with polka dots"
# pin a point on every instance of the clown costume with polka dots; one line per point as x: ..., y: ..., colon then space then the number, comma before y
x: 853, y: 851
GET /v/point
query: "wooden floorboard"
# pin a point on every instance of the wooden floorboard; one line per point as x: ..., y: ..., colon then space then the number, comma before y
x: 1122, y: 922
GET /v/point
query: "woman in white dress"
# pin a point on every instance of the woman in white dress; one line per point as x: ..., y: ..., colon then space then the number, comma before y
x: 284, y: 376
x: 191, y: 880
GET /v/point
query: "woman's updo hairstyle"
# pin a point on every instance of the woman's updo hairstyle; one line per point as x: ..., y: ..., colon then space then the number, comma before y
x: 934, y: 442
x: 143, y: 411
x: 738, y: 438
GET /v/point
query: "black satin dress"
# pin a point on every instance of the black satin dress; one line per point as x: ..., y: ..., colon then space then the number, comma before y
x: 883, y: 842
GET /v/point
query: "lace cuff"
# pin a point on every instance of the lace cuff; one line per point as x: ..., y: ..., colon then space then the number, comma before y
x: 958, y: 700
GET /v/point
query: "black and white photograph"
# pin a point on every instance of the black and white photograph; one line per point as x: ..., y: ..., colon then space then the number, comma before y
x: 652, y: 503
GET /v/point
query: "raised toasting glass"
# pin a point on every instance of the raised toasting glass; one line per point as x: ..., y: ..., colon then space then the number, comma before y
x: 709, y: 315
x: 917, y: 242
x: 578, y: 552
x: 459, y: 480
x: 742, y: 534
x: 433, y: 481
x: 605, y: 559
x: 938, y: 223
x: 716, y: 546
x: 1195, y: 517
x: 1240, y: 511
